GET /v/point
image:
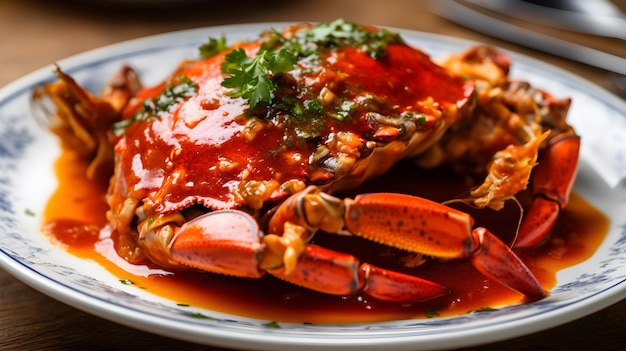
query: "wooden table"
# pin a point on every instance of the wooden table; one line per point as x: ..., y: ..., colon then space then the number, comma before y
x: 36, y: 33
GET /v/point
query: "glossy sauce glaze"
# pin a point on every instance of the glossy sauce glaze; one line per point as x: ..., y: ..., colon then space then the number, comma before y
x: 75, y: 220
x: 155, y: 153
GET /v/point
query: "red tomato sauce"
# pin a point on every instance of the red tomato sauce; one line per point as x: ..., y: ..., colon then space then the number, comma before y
x: 75, y: 219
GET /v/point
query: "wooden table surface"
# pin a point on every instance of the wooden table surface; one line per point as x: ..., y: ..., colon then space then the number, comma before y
x: 36, y: 33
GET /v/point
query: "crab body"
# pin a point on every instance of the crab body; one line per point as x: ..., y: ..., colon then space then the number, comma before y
x: 210, y: 150
x: 238, y: 181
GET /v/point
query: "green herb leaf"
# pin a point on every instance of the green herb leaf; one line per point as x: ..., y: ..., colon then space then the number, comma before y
x: 213, y: 47
x: 344, y: 110
x: 126, y: 282
x: 234, y: 60
x: 153, y: 107
x: 482, y: 309
x: 273, y: 325
x: 431, y: 313
x: 281, y: 60
x: 200, y: 316
x: 342, y: 33
x: 253, y: 78
x: 250, y: 77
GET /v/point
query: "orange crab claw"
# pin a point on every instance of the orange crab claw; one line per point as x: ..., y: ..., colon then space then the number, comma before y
x: 495, y: 260
x: 388, y: 285
x: 226, y: 242
x: 552, y: 183
x: 424, y: 226
x: 337, y: 273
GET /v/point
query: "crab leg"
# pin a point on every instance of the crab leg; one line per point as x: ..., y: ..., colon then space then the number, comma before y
x: 337, y: 273
x: 82, y: 120
x: 552, y: 183
x: 424, y: 226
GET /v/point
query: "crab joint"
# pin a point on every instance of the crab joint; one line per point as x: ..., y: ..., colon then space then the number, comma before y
x: 284, y: 250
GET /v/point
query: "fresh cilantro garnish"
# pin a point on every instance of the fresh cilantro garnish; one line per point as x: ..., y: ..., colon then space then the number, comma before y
x: 301, y: 112
x: 344, y: 110
x: 200, y: 316
x: 482, y: 309
x: 304, y: 118
x: 342, y: 33
x: 431, y: 313
x: 213, y: 47
x: 126, y: 282
x: 273, y: 325
x: 418, y: 118
x: 250, y: 77
x: 153, y: 107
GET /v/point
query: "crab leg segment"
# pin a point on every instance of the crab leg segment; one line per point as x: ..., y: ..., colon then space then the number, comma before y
x: 424, y: 226
x: 410, y: 223
x: 82, y: 120
x: 552, y: 183
x: 337, y: 273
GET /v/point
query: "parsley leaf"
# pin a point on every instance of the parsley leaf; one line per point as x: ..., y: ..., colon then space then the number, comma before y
x: 342, y: 33
x: 431, y: 313
x: 213, y: 47
x: 483, y: 309
x: 201, y: 316
x: 250, y: 77
x: 272, y: 324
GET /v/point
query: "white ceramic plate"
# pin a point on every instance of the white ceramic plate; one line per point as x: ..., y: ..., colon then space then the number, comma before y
x: 27, y: 153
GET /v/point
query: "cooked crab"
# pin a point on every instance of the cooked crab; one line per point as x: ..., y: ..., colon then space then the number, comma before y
x: 228, y: 165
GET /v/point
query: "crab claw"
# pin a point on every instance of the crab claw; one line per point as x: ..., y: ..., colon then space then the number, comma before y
x: 226, y: 242
x: 495, y: 260
x: 552, y: 183
x: 424, y: 226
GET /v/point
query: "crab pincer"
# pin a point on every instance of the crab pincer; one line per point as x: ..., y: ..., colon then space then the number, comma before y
x: 552, y: 183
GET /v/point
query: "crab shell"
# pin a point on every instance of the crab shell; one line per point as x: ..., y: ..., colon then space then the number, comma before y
x: 213, y: 150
